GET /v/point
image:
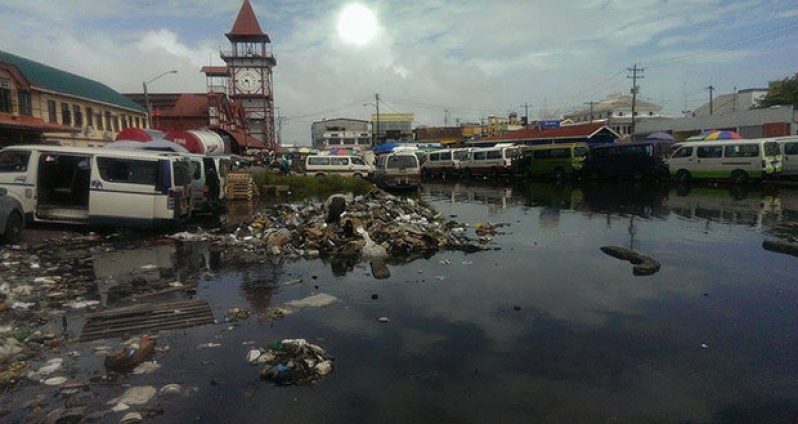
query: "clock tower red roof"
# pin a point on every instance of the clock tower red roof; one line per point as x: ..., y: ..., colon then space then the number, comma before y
x: 246, y: 26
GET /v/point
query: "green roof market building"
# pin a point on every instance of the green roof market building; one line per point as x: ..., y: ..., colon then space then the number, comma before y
x: 39, y: 102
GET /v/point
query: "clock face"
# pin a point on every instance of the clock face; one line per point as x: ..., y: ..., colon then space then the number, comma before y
x: 248, y: 80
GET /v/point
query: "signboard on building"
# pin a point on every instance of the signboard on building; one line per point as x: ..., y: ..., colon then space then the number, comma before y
x: 549, y: 124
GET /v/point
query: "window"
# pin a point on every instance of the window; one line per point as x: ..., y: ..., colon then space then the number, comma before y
x: 138, y: 122
x: 115, y: 121
x: 620, y: 113
x: 791, y: 148
x: 196, y: 168
x: 108, y: 120
x: 78, y: 115
x: 363, y: 140
x: 494, y: 154
x: 335, y: 140
x: 90, y: 117
x: 25, y: 107
x: 709, y: 151
x: 182, y: 171
x: 541, y: 154
x: 433, y: 157
x: 100, y: 120
x: 684, y: 152
x: 446, y: 156
x: 479, y: 156
x: 462, y: 155
x: 651, y: 114
x: 339, y: 161
x: 349, y: 141
x: 404, y: 161
x: 741, y: 151
x: 316, y: 160
x: 357, y: 161
x: 66, y: 114
x: 772, y: 149
x: 129, y: 171
x: 14, y: 161
x: 52, y: 112
x: 5, y: 95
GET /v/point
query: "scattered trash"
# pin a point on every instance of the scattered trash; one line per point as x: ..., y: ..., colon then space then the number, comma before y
x: 383, y: 319
x: 131, y: 353
x: 375, y: 297
x: 9, y: 348
x: 236, y: 314
x: 146, y: 368
x: 294, y: 361
x: 171, y: 390
x: 318, y: 300
x: 55, y: 381
x: 643, y: 265
x: 134, y: 396
x: 208, y: 345
x: 704, y: 346
x: 131, y: 417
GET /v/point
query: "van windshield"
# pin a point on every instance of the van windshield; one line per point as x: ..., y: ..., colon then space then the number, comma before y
x: 399, y: 162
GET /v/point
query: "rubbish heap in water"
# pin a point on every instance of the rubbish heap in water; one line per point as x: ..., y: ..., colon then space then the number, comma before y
x: 375, y: 224
x: 292, y: 361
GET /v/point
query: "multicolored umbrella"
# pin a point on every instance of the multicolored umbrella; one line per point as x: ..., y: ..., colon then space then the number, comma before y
x: 723, y: 135
x: 660, y: 136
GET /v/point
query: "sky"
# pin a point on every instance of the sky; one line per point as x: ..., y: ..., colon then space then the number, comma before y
x: 472, y: 58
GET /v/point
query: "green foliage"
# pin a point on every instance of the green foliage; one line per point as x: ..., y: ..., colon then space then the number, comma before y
x: 784, y: 93
x: 308, y: 187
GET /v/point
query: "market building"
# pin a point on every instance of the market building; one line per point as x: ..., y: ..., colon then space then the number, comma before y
x: 39, y: 102
x: 591, y: 133
x: 755, y: 123
x: 339, y: 131
x: 616, y: 112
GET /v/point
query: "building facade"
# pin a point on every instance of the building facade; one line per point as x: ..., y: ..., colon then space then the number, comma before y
x: 345, y: 139
x: 498, y: 125
x: 754, y: 123
x: 443, y: 135
x: 616, y: 112
x: 733, y: 102
x: 39, y: 102
x: 321, y: 132
x: 393, y: 126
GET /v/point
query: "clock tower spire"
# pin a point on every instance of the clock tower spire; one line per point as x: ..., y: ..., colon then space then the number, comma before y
x: 250, y: 63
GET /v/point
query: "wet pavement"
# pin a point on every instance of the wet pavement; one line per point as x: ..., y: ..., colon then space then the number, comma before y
x: 546, y: 329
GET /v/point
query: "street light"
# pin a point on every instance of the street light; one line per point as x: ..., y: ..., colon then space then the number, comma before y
x: 377, y: 121
x: 147, y: 96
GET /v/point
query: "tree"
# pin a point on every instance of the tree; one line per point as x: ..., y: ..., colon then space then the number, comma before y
x: 784, y: 92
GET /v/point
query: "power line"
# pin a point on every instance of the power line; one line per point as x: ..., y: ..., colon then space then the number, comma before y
x: 324, y: 112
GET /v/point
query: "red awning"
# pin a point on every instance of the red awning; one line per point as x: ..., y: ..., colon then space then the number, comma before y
x: 30, y: 123
x: 245, y: 140
x: 139, y: 134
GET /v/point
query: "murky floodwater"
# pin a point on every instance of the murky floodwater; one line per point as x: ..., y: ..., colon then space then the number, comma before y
x: 547, y: 329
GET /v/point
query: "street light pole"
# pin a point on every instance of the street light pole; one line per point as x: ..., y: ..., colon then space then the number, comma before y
x: 147, y: 95
x: 376, y: 123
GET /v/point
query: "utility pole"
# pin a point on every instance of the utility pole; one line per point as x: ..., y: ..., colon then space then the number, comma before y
x: 446, y: 117
x: 591, y: 110
x: 636, y: 71
x: 711, y: 108
x: 377, y: 136
x: 526, y: 112
x: 734, y: 105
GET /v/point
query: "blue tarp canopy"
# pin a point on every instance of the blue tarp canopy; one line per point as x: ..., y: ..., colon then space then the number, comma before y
x: 385, y: 147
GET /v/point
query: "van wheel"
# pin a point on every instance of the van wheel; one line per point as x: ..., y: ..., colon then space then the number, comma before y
x: 358, y: 176
x: 739, y: 177
x: 682, y: 176
x: 14, y: 224
x: 319, y: 175
x: 559, y: 174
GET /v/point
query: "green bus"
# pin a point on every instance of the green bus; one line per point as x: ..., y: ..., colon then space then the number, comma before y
x: 556, y: 160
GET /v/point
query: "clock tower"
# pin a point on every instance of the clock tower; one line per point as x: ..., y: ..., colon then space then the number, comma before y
x: 250, y: 63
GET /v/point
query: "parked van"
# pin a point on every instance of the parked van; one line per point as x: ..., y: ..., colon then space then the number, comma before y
x: 444, y: 162
x: 635, y: 160
x: 789, y: 152
x: 202, y: 167
x: 496, y: 161
x: 398, y: 170
x: 556, y: 160
x: 352, y: 166
x: 97, y: 186
x: 735, y: 160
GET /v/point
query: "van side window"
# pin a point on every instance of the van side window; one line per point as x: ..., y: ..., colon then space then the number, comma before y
x: 541, y: 154
x: 446, y: 156
x: 560, y: 153
x: 479, y: 156
x: 196, y: 168
x: 14, y: 161
x: 494, y: 154
x: 318, y: 161
x: 791, y: 148
x: 339, y: 161
x: 357, y: 161
x: 741, y: 151
x: 129, y: 171
x: 709, y: 151
x: 434, y: 157
x: 684, y: 152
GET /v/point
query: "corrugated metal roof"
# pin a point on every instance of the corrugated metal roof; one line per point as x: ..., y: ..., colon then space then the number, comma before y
x: 52, y: 79
x: 533, y: 133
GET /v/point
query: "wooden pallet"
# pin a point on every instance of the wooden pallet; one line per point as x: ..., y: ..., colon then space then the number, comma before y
x: 139, y: 319
x: 240, y: 186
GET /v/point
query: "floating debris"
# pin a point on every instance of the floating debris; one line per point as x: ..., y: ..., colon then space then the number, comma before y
x: 293, y: 361
x: 643, y: 265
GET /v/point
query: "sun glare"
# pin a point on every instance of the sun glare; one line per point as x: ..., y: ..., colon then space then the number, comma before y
x: 357, y: 24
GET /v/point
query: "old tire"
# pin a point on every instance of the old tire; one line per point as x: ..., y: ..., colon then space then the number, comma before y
x: 319, y: 175
x: 682, y: 176
x: 358, y: 176
x: 739, y: 177
x: 14, y: 226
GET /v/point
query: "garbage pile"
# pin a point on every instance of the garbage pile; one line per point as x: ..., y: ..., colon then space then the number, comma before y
x: 401, y: 227
x: 292, y: 362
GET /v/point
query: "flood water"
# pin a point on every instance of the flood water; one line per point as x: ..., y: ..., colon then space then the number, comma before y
x: 547, y: 329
